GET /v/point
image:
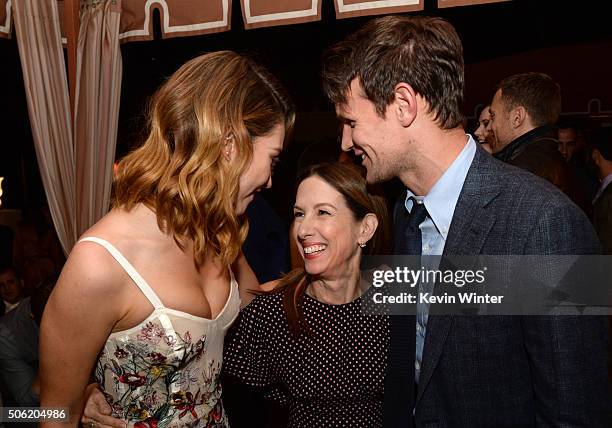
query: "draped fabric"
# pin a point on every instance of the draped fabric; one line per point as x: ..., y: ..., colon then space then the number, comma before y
x: 178, y: 18
x: 5, y: 18
x: 98, y: 89
x: 267, y: 13
x: 37, y: 29
x: 194, y: 17
x: 352, y: 8
x: 452, y: 3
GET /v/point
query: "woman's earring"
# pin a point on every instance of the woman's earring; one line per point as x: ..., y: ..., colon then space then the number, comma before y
x: 228, y: 145
x: 361, y: 244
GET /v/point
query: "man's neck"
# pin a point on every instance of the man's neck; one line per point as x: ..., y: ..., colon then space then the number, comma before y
x: 605, y: 172
x: 435, y: 154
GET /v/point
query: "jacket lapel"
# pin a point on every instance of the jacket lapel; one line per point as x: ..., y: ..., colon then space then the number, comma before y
x: 468, y: 232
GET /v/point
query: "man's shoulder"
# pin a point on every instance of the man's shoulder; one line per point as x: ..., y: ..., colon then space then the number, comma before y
x: 606, y: 196
x: 517, y: 184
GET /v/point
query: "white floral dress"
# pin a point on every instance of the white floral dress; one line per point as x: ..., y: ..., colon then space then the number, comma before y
x: 165, y: 371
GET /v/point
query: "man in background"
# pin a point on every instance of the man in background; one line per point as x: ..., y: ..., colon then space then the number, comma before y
x: 524, y: 109
x: 11, y: 288
x: 19, y: 348
x: 602, y: 203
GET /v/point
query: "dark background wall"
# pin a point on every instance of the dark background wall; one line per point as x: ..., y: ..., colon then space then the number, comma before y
x: 572, y: 41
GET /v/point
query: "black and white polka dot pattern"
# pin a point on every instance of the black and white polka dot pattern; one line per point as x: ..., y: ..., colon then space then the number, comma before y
x: 332, y: 378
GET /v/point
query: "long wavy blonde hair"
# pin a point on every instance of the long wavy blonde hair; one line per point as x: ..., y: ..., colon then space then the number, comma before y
x: 180, y: 172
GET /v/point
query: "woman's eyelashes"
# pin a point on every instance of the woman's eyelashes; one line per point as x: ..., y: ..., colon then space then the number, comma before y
x: 320, y: 212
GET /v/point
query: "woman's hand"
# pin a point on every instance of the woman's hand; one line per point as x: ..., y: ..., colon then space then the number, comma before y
x: 97, y: 411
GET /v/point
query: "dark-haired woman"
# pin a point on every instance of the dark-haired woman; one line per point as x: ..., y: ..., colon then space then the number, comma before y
x: 308, y: 342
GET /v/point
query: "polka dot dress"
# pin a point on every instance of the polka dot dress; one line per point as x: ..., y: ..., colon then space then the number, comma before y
x: 331, y: 378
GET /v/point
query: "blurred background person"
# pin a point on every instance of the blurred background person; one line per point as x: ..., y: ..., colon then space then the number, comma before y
x: 11, y: 288
x: 569, y: 140
x: 524, y: 109
x: 602, y: 202
x: 19, y: 348
x: 573, y: 147
x: 484, y: 134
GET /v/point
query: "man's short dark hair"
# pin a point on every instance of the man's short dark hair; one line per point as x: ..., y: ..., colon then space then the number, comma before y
x: 424, y: 52
x: 568, y: 124
x: 10, y: 268
x: 537, y: 93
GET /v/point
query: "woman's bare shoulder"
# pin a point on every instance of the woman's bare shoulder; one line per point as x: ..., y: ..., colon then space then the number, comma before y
x: 90, y: 265
x: 270, y: 286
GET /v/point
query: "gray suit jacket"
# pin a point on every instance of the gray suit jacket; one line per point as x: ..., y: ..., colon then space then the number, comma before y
x: 511, y: 371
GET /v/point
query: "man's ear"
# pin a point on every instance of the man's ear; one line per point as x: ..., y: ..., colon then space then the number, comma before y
x: 597, y: 157
x: 368, y: 227
x: 518, y: 116
x: 404, y: 104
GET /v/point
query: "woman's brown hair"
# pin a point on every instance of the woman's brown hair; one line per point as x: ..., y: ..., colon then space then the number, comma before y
x: 349, y: 180
x: 180, y: 172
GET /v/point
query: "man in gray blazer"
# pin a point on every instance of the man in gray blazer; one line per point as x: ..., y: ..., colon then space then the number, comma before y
x: 397, y: 85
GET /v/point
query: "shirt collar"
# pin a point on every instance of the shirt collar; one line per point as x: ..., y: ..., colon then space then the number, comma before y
x: 604, y: 183
x: 9, y: 306
x: 441, y: 200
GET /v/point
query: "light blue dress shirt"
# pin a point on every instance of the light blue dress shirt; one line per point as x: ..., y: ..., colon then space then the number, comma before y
x: 440, y: 203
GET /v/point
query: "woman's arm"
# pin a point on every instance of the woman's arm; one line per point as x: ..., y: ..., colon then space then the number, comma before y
x: 79, y: 316
x: 247, y: 281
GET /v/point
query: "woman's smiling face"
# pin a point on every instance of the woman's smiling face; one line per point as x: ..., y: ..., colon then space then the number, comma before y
x: 325, y: 230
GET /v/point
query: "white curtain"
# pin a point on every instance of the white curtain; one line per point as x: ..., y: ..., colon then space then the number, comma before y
x: 44, y: 73
x: 76, y: 173
x: 98, y: 90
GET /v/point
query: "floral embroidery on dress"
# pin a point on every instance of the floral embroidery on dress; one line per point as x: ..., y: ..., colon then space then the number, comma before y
x: 160, y: 380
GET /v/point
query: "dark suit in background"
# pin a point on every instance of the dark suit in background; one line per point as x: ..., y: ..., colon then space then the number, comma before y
x: 506, y: 371
x: 19, y: 355
x: 267, y: 246
x: 602, y: 219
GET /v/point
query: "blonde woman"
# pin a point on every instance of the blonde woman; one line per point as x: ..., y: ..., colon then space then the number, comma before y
x: 147, y: 294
